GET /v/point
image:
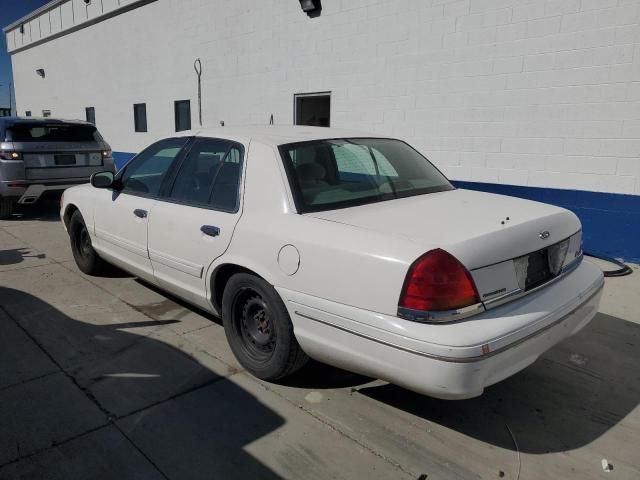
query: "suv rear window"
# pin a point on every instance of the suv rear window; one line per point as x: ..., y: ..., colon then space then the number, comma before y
x: 38, y: 132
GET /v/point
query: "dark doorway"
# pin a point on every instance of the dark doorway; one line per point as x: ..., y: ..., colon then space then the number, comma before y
x: 313, y: 109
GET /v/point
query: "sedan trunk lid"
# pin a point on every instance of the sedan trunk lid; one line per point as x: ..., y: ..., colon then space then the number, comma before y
x: 478, y: 228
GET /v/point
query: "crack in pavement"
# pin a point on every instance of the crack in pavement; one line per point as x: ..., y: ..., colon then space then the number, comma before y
x: 24, y: 382
x: 335, y: 428
x: 13, y: 269
x: 54, y: 445
x: 111, y: 419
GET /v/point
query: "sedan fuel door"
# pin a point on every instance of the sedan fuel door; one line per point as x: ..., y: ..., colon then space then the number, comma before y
x: 121, y: 214
x: 193, y: 224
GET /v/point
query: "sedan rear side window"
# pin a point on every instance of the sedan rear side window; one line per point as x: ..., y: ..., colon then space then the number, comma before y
x: 330, y: 174
x: 210, y: 175
x: 145, y: 173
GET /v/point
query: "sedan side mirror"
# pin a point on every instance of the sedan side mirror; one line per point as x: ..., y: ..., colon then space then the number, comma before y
x: 102, y: 180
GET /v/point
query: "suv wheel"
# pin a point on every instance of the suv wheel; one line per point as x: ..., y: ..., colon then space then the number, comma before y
x: 86, y: 257
x: 6, y: 207
x: 258, y: 328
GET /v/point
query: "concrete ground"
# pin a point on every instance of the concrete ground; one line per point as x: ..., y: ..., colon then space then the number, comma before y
x: 109, y: 378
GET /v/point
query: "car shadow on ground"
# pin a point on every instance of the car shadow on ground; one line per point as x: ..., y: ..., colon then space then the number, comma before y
x: 319, y: 376
x: 111, y: 271
x: 567, y: 399
x: 126, y: 387
x: 47, y: 209
x: 314, y: 375
x: 15, y: 256
x: 159, y: 309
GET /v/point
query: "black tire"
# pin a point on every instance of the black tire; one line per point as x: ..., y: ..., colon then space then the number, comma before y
x: 86, y: 257
x: 258, y: 328
x: 6, y: 207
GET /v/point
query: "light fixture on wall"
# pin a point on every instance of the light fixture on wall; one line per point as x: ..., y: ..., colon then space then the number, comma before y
x: 311, y: 7
x: 40, y: 72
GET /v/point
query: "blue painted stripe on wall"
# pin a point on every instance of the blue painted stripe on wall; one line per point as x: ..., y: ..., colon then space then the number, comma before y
x: 610, y: 221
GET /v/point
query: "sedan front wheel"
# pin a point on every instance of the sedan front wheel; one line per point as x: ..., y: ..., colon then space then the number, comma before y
x: 258, y: 328
x: 86, y: 257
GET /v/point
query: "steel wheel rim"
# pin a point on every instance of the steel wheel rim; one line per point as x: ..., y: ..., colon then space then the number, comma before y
x: 253, y: 323
x: 84, y: 242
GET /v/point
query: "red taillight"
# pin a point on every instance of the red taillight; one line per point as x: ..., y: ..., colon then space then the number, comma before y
x: 438, y: 281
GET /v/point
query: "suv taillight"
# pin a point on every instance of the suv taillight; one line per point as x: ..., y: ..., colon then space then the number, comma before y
x: 106, y: 154
x: 10, y: 156
x: 437, y: 281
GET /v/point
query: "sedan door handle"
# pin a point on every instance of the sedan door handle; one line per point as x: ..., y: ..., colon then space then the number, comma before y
x: 140, y: 213
x: 210, y: 230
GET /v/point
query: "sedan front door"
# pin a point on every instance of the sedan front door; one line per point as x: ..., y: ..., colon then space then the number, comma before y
x: 121, y: 215
x: 193, y: 224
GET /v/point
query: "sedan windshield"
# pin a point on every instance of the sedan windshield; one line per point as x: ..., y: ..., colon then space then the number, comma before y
x: 330, y: 174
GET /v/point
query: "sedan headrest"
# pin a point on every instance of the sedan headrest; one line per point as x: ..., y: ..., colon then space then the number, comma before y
x: 310, y: 172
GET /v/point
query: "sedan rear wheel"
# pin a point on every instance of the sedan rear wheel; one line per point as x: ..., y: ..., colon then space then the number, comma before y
x: 258, y: 328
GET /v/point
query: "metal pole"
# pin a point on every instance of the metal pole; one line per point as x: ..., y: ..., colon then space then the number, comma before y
x: 11, y: 99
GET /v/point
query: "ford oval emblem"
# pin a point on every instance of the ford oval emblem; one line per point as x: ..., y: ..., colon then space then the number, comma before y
x: 544, y: 235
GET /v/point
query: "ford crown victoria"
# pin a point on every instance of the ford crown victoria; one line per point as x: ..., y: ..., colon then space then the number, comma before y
x: 347, y: 248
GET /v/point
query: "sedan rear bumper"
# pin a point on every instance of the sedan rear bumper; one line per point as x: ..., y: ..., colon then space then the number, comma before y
x: 447, y: 371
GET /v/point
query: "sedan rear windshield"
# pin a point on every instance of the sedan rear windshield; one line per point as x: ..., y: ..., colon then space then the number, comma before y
x: 330, y: 174
x: 39, y: 132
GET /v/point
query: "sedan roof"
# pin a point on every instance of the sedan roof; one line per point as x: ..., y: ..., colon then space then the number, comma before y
x: 276, y: 134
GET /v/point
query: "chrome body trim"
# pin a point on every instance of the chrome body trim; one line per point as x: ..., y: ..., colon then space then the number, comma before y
x: 595, y: 289
x: 421, y: 316
x: 579, y: 232
x: 518, y: 293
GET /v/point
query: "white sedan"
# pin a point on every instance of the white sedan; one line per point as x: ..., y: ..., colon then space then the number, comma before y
x: 353, y: 250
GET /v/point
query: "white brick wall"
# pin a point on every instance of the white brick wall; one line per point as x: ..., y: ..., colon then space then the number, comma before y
x: 525, y: 92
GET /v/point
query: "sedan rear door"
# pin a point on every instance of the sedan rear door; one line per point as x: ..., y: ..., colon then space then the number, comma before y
x: 193, y: 224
